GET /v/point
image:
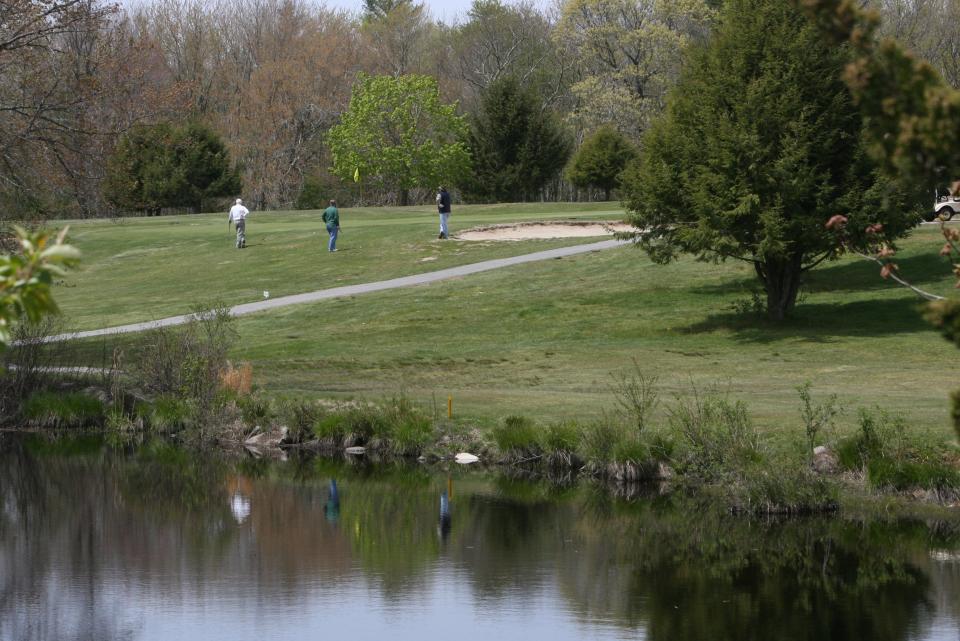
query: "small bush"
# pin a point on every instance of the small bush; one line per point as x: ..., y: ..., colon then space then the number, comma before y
x: 890, y: 460
x: 517, y: 436
x: 600, y: 440
x: 63, y: 410
x: 716, y: 436
x: 118, y: 421
x: 784, y: 489
x: 559, y: 443
x: 27, y: 360
x: 332, y: 426
x: 636, y: 396
x: 167, y: 414
x: 299, y: 416
x: 254, y: 409
x: 186, y: 362
x: 754, y: 305
x: 410, y: 436
x: 910, y: 474
x: 238, y: 380
x: 662, y: 447
x: 363, y: 423
x: 633, y: 450
x: 880, y: 435
x: 816, y: 417
x: 560, y: 437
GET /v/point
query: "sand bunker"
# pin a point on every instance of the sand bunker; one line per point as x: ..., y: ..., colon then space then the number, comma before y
x: 529, y: 231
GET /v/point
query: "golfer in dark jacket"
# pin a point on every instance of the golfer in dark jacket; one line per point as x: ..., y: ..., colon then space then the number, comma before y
x: 443, y: 207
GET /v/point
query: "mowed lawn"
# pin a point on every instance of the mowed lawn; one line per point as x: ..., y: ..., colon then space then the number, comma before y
x: 146, y: 268
x: 546, y: 339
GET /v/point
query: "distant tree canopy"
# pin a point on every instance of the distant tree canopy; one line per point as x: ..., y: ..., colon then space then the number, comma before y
x: 378, y: 9
x: 629, y: 53
x: 167, y: 166
x: 760, y: 144
x: 398, y: 135
x: 600, y: 160
x: 517, y: 146
x: 273, y: 76
x: 500, y: 40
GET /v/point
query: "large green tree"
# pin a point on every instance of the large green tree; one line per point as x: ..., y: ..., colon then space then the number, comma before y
x: 398, y: 135
x: 168, y: 166
x: 600, y: 160
x: 760, y: 144
x: 517, y: 146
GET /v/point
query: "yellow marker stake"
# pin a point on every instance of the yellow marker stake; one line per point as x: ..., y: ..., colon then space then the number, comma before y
x: 450, y: 406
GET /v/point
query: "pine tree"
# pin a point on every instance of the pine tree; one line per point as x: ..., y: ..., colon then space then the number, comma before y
x: 759, y: 146
x: 517, y: 147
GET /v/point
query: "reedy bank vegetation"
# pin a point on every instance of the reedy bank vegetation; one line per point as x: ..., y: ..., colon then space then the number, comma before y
x: 180, y: 384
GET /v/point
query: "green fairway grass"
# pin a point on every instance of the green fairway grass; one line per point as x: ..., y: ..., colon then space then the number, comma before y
x: 542, y: 339
x: 146, y: 268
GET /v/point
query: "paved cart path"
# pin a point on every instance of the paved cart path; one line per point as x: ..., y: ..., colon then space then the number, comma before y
x: 353, y: 290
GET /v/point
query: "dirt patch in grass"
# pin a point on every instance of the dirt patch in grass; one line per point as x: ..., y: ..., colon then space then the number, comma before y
x: 544, y: 230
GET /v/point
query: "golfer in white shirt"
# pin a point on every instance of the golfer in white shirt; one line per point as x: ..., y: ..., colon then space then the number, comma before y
x: 238, y: 216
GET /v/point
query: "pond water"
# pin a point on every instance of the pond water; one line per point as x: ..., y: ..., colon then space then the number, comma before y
x: 154, y: 542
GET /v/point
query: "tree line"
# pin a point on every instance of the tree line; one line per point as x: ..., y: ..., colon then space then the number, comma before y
x: 89, y: 86
x: 257, y: 87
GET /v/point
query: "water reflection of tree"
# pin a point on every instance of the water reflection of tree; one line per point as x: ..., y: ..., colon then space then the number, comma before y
x: 53, y: 517
x: 672, y: 569
x: 696, y: 574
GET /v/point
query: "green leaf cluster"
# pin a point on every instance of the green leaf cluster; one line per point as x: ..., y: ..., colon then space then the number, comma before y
x: 399, y: 135
x: 26, y: 277
x: 517, y: 146
x: 165, y: 165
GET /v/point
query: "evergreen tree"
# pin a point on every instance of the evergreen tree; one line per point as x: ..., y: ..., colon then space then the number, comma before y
x: 600, y: 160
x: 517, y: 147
x: 760, y: 145
x: 166, y: 166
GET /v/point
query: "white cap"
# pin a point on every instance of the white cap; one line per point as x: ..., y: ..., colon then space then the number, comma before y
x: 239, y: 201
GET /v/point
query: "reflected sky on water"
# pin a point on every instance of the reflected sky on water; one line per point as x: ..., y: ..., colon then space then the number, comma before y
x: 155, y: 542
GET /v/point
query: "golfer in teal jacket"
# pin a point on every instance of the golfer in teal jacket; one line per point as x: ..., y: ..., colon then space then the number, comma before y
x: 332, y: 218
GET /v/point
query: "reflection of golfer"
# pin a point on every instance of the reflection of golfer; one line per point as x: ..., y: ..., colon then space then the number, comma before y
x: 445, y: 516
x: 238, y: 216
x: 331, y: 216
x: 332, y: 509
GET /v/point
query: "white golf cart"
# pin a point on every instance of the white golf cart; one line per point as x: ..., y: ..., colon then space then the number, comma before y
x: 945, y: 205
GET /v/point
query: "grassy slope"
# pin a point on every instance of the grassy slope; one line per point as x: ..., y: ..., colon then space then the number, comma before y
x: 543, y: 339
x: 147, y: 268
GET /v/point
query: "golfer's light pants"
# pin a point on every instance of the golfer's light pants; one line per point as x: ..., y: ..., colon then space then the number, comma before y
x: 443, y: 224
x: 241, y: 233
